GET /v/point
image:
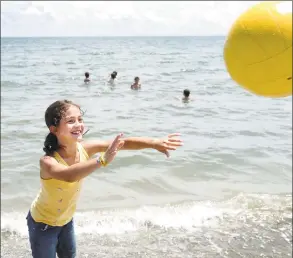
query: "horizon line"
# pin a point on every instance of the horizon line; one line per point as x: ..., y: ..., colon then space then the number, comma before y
x: 101, y: 36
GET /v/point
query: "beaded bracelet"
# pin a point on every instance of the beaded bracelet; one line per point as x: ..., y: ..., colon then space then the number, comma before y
x: 102, y: 161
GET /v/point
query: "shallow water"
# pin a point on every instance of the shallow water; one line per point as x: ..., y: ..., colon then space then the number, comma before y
x: 226, y: 193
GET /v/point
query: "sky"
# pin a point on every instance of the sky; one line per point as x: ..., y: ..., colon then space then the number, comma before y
x: 119, y: 18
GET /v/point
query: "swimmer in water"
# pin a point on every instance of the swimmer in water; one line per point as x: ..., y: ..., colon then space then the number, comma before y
x: 87, y: 77
x: 67, y: 160
x: 113, y: 76
x: 186, y: 94
x: 136, y: 85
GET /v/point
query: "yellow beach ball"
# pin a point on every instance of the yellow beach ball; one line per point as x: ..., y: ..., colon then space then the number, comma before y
x: 258, y: 49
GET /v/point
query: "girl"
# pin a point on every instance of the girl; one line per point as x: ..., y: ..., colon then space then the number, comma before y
x: 66, y: 162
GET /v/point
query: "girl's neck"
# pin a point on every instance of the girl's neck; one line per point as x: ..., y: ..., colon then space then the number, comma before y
x: 68, y: 151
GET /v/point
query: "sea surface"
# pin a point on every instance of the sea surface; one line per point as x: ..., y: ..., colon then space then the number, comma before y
x: 226, y: 193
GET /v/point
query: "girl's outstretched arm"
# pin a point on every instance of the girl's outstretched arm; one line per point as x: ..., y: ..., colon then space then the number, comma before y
x: 171, y: 142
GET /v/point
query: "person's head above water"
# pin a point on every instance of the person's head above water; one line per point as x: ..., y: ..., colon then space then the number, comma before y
x: 64, y: 120
x: 186, y: 93
x: 136, y: 85
x: 114, y: 75
x: 87, y: 77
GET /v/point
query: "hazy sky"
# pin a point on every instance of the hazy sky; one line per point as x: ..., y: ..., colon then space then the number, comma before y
x: 129, y: 18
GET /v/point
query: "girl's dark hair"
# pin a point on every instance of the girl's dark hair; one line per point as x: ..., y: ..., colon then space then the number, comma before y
x: 53, y: 116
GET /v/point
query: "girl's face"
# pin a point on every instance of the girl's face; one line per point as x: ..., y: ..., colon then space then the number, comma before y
x: 71, y: 126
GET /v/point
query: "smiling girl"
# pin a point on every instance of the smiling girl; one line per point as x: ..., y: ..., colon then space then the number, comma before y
x: 66, y: 162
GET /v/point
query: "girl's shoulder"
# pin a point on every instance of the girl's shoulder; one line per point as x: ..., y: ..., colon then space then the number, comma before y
x: 47, y: 161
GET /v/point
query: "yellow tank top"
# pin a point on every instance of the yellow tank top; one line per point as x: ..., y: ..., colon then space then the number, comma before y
x: 56, y: 202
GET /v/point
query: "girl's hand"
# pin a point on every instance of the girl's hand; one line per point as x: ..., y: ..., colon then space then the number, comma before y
x: 170, y: 143
x: 113, y: 148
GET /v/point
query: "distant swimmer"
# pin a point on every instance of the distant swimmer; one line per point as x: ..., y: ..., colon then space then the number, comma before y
x: 136, y: 85
x: 186, y: 94
x: 113, y: 76
x: 87, y: 77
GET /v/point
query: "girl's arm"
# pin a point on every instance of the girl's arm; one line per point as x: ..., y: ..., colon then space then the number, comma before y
x: 50, y: 168
x: 135, y: 143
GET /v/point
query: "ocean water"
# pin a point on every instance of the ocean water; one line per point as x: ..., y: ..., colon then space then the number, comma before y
x: 226, y: 193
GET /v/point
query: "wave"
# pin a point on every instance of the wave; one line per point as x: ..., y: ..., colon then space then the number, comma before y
x: 266, y: 210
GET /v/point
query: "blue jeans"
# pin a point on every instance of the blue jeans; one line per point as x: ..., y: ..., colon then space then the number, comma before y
x: 47, y: 240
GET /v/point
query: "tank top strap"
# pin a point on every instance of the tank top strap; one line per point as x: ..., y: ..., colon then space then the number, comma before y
x: 83, y: 154
x: 59, y: 158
